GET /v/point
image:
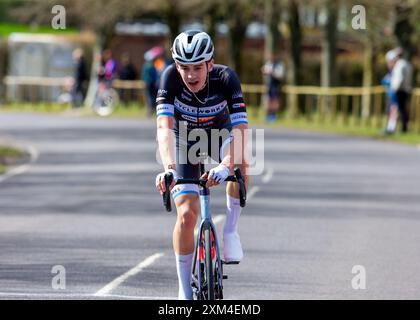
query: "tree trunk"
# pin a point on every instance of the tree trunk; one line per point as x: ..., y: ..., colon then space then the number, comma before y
x: 295, y: 55
x: 93, y: 82
x: 368, y: 72
x: 173, y: 18
x: 210, y: 20
x: 329, y: 49
x: 3, y: 54
x: 236, y: 38
x: 403, y: 29
x: 295, y: 43
x: 272, y: 15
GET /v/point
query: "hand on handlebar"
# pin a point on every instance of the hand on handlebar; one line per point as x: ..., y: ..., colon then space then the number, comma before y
x: 160, y: 180
x: 216, y: 175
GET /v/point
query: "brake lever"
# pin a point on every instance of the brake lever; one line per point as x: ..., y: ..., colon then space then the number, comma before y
x: 167, y: 194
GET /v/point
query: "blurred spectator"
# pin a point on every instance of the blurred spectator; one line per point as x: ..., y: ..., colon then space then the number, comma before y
x: 108, y: 70
x: 127, y: 72
x: 273, y: 72
x: 392, y: 103
x: 401, y: 84
x: 153, y: 67
x: 80, y: 79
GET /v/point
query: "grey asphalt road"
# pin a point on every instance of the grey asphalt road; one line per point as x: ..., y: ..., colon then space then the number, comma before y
x: 326, y: 211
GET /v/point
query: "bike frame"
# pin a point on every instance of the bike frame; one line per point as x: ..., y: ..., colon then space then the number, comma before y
x: 206, y: 224
x: 206, y: 220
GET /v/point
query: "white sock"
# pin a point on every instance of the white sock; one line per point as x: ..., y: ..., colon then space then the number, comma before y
x: 183, y: 268
x: 232, y: 214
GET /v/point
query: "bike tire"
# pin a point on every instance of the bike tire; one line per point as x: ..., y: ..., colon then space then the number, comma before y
x: 209, y: 262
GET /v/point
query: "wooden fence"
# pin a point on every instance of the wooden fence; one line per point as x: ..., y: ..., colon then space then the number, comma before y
x: 348, y: 105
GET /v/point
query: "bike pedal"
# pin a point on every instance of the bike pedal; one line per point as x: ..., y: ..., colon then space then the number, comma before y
x: 225, y: 277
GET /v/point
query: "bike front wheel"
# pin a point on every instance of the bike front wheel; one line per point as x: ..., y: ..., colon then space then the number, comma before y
x: 106, y: 102
x: 208, y: 240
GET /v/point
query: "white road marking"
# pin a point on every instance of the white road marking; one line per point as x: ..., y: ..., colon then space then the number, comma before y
x: 119, y: 167
x: 78, y: 295
x: 138, y: 297
x: 115, y: 283
x: 44, y: 295
x: 267, y: 177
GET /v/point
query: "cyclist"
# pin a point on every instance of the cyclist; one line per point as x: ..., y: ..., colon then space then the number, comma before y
x: 196, y: 93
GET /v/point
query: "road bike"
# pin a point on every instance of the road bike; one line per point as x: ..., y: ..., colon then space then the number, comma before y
x: 207, y: 271
x: 106, y: 99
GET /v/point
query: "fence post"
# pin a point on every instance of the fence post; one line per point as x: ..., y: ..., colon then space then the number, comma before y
x: 308, y: 109
x: 417, y: 107
x: 356, y: 109
x: 292, y: 105
x: 345, y: 100
x: 334, y: 108
x: 377, y: 98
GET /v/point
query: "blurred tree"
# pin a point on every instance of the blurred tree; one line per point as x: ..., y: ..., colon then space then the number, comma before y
x: 175, y: 12
x: 404, y: 28
x: 171, y: 11
x: 98, y: 15
x: 272, y: 15
x: 415, y: 21
x: 237, y: 24
x: 6, y: 7
x: 378, y: 17
x: 295, y: 42
x: 212, y: 14
x: 329, y: 45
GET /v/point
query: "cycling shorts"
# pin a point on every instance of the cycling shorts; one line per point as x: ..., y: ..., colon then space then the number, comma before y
x: 188, y: 164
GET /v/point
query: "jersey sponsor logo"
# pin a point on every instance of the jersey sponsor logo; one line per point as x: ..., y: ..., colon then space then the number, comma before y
x: 238, y: 116
x: 204, y: 111
x: 206, y: 124
x: 189, y: 118
x: 238, y: 105
x: 205, y: 119
x: 162, y: 92
x: 162, y: 108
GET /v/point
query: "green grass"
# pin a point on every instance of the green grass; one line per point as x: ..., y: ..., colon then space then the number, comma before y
x: 6, y: 151
x: 8, y: 156
x: 132, y: 110
x: 39, y: 107
x: 7, y: 28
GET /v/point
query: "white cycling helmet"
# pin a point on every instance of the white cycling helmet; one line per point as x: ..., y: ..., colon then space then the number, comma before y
x: 192, y: 47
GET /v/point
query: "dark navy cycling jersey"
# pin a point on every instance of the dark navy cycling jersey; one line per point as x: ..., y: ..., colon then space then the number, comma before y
x: 223, y: 105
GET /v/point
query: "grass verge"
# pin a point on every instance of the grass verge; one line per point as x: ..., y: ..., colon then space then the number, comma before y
x: 9, y: 156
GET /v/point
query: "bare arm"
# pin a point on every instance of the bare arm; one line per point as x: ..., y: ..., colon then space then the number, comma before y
x: 239, y: 149
x: 166, y: 142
